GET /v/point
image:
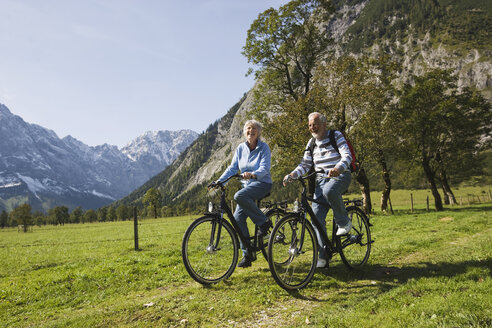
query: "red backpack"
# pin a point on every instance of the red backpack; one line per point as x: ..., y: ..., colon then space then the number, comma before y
x: 354, y: 165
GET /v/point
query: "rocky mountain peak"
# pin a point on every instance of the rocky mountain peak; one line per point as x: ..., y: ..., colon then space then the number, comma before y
x: 38, y: 167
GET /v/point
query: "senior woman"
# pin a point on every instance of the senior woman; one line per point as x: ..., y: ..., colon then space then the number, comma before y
x: 252, y: 158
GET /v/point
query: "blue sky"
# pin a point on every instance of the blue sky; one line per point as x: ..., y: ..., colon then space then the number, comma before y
x: 106, y: 71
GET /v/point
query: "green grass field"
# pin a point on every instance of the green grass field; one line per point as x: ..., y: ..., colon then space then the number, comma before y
x: 425, y: 270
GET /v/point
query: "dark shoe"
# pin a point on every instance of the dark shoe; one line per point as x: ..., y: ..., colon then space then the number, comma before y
x: 263, y: 229
x: 245, y: 262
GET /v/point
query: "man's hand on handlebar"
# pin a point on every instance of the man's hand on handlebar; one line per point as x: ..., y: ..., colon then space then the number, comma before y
x: 288, y: 178
x: 333, y: 173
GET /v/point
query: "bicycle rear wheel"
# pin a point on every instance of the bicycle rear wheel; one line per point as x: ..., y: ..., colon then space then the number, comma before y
x: 274, y: 215
x: 210, y: 250
x: 355, y: 246
x: 292, y: 252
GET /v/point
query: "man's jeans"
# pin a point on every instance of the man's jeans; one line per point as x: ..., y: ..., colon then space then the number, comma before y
x: 246, y: 206
x: 331, y: 190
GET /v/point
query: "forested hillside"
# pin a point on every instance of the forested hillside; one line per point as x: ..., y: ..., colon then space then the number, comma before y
x: 174, y: 181
x: 410, y: 82
x: 465, y: 24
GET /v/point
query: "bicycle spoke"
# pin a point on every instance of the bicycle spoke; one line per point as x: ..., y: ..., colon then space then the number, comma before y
x: 290, y: 268
x: 355, y: 247
x: 204, y: 262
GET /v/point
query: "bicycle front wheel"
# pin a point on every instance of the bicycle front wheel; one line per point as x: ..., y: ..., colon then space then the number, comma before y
x: 355, y: 246
x: 292, y: 252
x: 210, y: 250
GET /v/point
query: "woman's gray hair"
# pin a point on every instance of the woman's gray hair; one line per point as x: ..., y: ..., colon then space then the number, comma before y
x: 255, y: 123
x: 322, y: 117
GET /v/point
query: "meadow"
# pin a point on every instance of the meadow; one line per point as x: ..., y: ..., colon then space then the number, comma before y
x: 427, y: 269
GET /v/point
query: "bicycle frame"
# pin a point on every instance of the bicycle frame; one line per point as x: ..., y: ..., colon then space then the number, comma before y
x: 305, y: 207
x: 252, y: 249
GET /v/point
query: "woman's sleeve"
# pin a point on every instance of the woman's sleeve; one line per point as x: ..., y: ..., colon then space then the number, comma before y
x: 233, y: 168
x: 265, y: 163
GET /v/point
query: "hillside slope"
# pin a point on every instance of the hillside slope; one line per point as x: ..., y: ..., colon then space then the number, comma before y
x: 447, y: 34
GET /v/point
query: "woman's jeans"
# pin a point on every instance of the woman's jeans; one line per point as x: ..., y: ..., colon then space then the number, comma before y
x: 331, y: 190
x: 246, y: 206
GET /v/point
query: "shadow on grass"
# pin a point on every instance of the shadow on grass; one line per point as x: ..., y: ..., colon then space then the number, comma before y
x: 388, y: 277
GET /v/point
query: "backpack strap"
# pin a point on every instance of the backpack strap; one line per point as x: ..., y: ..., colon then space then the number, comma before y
x: 311, y: 145
x: 310, y: 149
x: 333, y: 142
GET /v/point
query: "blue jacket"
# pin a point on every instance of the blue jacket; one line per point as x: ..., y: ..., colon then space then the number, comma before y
x: 256, y: 161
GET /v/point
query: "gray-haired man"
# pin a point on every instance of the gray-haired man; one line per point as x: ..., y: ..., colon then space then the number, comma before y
x: 336, y: 178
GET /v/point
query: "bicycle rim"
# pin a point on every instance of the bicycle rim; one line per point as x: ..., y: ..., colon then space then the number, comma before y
x: 292, y: 267
x: 355, y: 247
x: 207, y: 260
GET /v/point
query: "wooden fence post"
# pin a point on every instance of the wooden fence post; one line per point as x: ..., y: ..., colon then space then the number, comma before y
x: 411, y: 202
x: 428, y: 204
x: 135, y: 227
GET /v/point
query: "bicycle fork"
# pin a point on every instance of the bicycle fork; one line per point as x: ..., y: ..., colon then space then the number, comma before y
x: 213, y: 244
x: 298, y: 250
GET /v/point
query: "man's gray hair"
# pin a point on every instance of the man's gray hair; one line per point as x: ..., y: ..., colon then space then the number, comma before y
x: 322, y: 117
x: 255, y: 123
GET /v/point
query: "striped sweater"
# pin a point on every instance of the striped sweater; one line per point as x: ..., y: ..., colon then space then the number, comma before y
x: 325, y: 156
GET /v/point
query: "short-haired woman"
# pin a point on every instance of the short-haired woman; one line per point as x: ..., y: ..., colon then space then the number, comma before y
x: 252, y: 158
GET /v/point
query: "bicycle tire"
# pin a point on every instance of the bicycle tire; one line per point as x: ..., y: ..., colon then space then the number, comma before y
x: 274, y: 215
x: 205, y: 263
x: 355, y: 247
x: 290, y: 268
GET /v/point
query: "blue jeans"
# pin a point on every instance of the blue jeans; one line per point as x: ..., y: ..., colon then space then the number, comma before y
x: 331, y: 190
x: 246, y: 206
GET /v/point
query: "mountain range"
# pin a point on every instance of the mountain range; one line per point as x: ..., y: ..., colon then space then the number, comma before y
x: 38, y: 167
x: 446, y: 34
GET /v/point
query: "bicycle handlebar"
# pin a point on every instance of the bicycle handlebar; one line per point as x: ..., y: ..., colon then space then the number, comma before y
x: 221, y: 184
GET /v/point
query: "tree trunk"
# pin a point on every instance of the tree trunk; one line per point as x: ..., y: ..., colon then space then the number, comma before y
x: 387, y: 181
x: 446, y: 189
x: 432, y: 181
x: 444, y: 195
x: 365, y: 190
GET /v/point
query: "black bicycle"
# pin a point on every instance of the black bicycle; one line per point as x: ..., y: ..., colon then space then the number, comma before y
x: 210, y: 244
x: 294, y: 242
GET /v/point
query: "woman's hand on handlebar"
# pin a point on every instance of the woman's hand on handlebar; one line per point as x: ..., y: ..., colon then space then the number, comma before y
x: 214, y: 184
x: 248, y: 175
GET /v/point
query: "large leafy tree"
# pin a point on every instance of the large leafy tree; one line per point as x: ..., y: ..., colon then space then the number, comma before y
x: 76, y: 215
x: 22, y: 214
x: 4, y: 218
x: 111, y: 214
x: 153, y: 198
x: 59, y: 215
x: 286, y: 44
x: 374, y: 132
x: 123, y: 212
x: 90, y: 216
x: 442, y: 126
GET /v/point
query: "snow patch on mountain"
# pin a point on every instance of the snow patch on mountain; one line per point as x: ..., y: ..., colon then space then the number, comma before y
x: 35, y: 160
